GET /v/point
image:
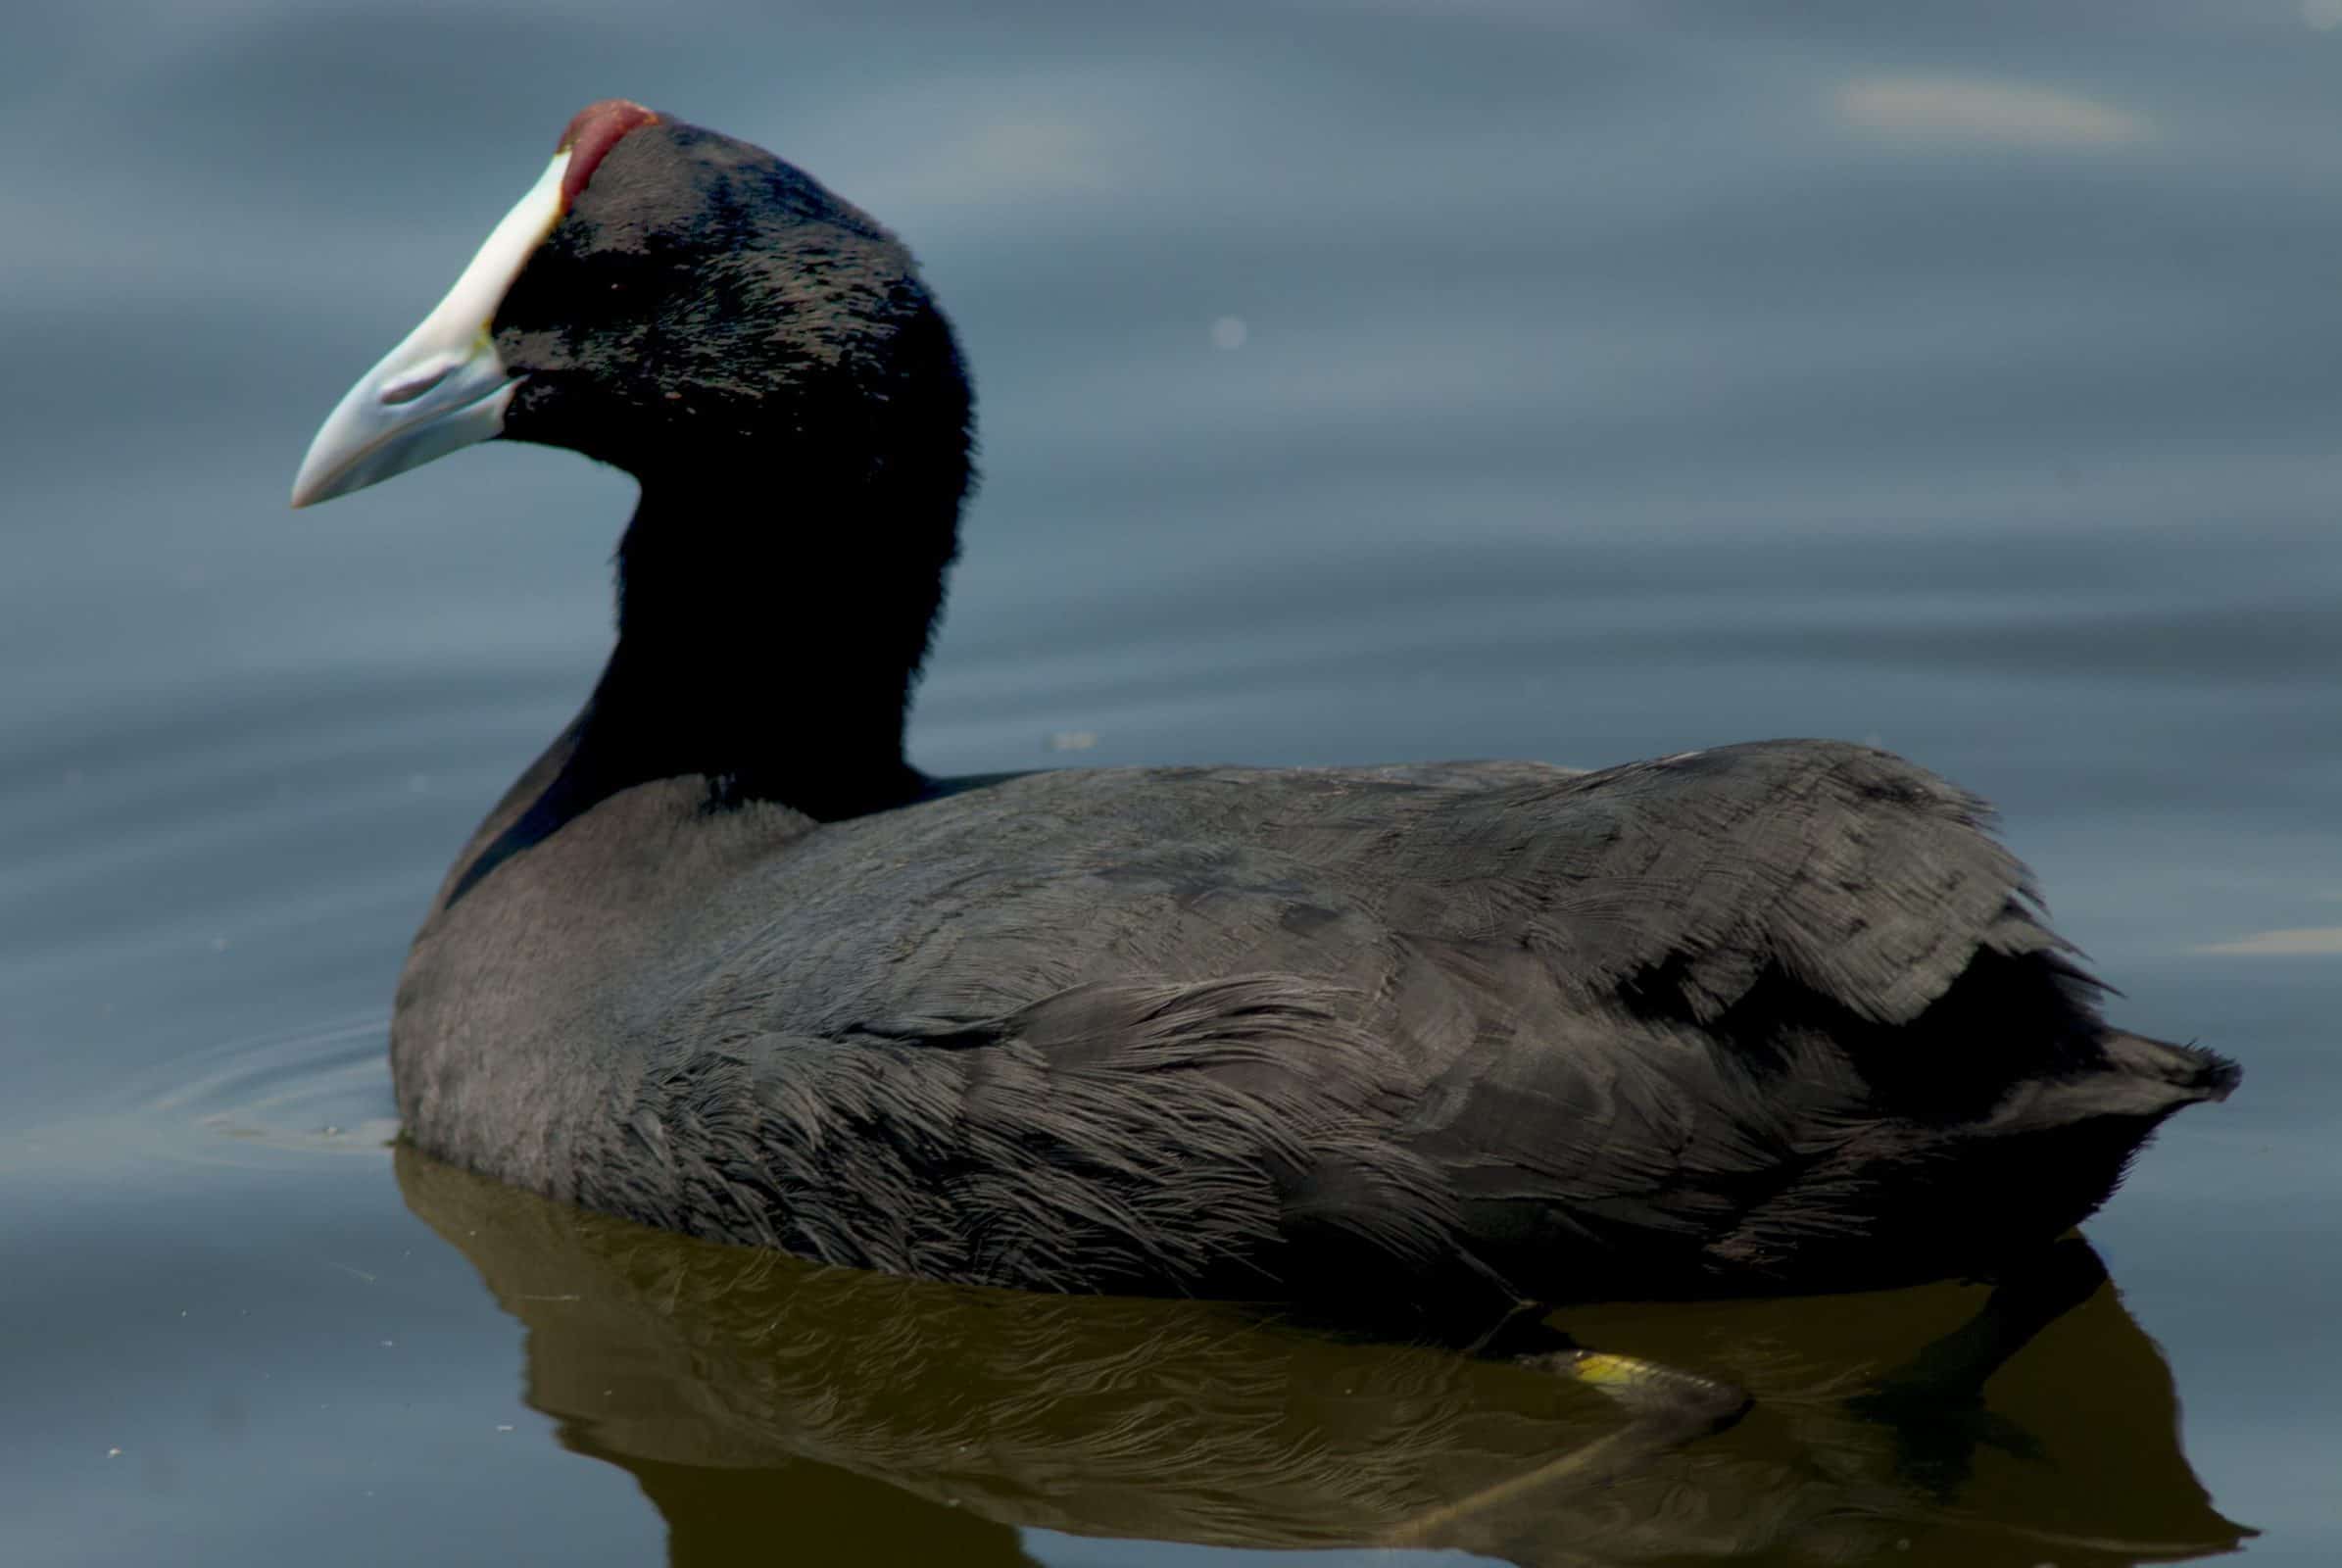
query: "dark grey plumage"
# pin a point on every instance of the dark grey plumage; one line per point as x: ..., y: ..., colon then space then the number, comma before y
x: 1420, y: 1039
x: 1765, y: 1016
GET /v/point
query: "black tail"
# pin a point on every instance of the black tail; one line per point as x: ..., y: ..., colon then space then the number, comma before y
x: 1971, y: 1196
x: 2137, y: 1081
x: 2179, y: 1075
x: 2055, y: 1150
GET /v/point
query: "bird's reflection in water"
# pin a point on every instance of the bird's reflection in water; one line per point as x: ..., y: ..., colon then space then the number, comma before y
x: 776, y: 1409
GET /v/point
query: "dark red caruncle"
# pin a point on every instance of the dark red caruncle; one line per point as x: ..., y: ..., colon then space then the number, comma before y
x: 592, y: 133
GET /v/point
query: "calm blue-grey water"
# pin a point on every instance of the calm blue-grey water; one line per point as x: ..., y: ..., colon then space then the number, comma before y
x: 1359, y: 382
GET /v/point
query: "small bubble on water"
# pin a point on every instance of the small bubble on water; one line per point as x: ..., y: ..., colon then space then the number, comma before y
x: 1230, y: 332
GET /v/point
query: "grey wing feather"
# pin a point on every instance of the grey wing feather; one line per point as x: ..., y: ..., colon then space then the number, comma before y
x: 1853, y: 873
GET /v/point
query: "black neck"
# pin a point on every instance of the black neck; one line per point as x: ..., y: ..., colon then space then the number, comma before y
x: 770, y: 650
x: 774, y: 654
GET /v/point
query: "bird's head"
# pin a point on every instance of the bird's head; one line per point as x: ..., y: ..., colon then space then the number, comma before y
x: 671, y: 301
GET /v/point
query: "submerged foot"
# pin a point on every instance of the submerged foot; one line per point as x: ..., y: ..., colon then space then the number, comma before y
x: 1668, y: 1408
x: 1934, y: 1402
x: 1653, y: 1390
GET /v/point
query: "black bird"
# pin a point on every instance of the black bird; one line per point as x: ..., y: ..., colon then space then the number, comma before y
x: 1437, y: 1040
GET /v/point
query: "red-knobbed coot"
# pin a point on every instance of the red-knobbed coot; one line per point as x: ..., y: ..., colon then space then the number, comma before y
x: 1772, y: 1017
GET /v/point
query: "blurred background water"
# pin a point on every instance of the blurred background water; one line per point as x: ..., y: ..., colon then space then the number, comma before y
x: 1359, y: 382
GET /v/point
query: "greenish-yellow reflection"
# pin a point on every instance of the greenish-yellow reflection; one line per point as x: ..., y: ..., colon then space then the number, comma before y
x: 774, y: 1409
